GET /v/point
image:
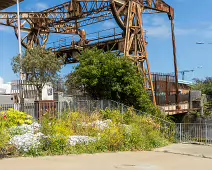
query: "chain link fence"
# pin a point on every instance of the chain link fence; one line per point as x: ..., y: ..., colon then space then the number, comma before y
x: 87, y: 106
x: 37, y: 109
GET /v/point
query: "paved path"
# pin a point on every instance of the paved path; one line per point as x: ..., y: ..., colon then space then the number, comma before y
x: 110, y: 161
x: 188, y: 149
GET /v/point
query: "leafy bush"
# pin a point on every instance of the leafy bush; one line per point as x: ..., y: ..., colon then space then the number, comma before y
x: 4, y: 136
x: 16, y: 118
x: 76, y: 133
x: 103, y: 75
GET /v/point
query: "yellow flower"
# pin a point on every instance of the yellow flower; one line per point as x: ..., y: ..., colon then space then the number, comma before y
x: 29, y: 122
x: 29, y: 117
x: 20, y: 121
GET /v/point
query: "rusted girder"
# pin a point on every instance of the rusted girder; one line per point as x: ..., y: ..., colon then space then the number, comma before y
x: 60, y: 19
x: 65, y: 19
x: 7, y: 3
x: 69, y: 17
x: 119, y: 9
x: 159, y: 6
x: 65, y: 15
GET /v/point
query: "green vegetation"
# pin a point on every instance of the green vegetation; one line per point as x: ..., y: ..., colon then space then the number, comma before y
x: 106, y: 76
x: 102, y: 76
x: 77, y: 133
x: 15, y: 118
x: 40, y: 66
x: 204, y: 85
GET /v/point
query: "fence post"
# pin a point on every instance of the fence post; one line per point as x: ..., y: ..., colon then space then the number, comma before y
x: 122, y: 108
x: 89, y: 105
x: 206, y: 133
x: 101, y: 105
x: 180, y: 132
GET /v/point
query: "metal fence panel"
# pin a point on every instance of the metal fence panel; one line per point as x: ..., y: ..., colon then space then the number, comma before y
x: 38, y: 109
x: 194, y: 133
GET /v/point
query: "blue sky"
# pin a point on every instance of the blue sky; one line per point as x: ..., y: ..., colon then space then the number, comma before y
x: 192, y: 20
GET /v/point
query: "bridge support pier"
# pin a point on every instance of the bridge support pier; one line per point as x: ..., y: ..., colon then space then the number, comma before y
x: 135, y: 43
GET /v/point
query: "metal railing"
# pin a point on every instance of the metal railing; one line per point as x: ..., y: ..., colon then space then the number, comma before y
x: 37, y: 109
x: 60, y: 107
x: 92, y: 38
x: 194, y: 133
x: 180, y: 132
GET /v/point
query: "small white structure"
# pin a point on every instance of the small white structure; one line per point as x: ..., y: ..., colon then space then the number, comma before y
x: 5, y: 88
x: 47, y: 92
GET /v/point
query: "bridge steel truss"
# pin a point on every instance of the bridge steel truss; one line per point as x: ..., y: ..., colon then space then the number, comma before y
x: 72, y: 16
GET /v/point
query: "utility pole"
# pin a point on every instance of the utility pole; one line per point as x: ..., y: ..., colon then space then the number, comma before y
x: 177, y: 99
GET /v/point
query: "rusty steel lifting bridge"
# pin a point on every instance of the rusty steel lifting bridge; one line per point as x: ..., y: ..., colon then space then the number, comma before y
x: 71, y: 17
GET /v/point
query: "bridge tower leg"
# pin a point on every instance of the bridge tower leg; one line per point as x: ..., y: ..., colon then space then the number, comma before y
x: 135, y: 43
x: 34, y: 37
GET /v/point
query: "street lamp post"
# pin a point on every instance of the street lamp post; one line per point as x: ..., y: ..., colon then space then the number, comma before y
x: 19, y: 38
x: 20, y: 58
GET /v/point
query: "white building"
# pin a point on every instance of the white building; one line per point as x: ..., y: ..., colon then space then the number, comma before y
x: 5, y: 88
x: 29, y: 91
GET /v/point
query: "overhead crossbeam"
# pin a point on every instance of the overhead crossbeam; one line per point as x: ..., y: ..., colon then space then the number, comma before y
x: 8, y: 3
x: 70, y: 17
x: 67, y: 18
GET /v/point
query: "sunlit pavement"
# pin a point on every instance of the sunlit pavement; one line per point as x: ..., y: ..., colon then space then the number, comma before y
x: 155, y: 160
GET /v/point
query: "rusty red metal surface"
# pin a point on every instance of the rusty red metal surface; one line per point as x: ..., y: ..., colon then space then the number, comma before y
x: 8, y: 3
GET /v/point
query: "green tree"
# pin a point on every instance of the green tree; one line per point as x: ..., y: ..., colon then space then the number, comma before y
x: 204, y: 85
x: 40, y: 66
x: 106, y: 76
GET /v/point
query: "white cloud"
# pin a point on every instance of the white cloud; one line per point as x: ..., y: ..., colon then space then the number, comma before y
x: 1, y: 80
x: 158, y: 21
x: 179, y: 0
x: 184, y: 31
x: 6, y: 28
x: 161, y: 31
x: 205, y: 30
x: 159, y: 27
x: 3, y: 28
x: 109, y: 24
x: 41, y: 6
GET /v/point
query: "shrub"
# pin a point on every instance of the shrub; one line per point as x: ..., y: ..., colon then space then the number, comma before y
x: 55, y: 127
x: 4, y: 136
x: 16, y: 118
x: 76, y: 133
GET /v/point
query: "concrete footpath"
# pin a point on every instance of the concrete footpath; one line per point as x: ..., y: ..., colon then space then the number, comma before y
x: 111, y: 161
x: 188, y: 149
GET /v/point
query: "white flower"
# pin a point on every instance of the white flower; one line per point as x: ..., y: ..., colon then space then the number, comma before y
x: 102, y: 124
x: 27, y: 141
x: 35, y: 127
x: 128, y: 128
x: 73, y: 140
x: 98, y: 124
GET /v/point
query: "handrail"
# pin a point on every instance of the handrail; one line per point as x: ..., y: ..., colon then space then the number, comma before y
x: 65, y: 42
